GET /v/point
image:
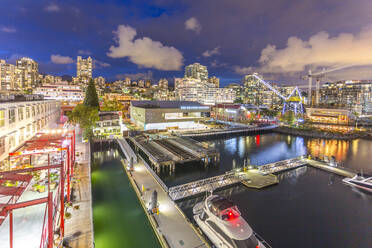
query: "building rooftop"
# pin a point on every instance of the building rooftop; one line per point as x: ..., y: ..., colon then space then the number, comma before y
x: 166, y: 104
x: 108, y: 115
x: 20, y: 98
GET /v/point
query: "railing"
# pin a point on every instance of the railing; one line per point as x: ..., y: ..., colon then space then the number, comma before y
x: 127, y: 150
x: 165, y: 187
x: 281, y: 165
x: 200, y: 186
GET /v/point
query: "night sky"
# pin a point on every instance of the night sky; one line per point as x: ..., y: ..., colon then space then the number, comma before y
x: 279, y: 38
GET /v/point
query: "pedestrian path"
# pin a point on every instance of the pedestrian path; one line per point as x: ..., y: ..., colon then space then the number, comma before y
x: 79, y: 228
x: 172, y: 224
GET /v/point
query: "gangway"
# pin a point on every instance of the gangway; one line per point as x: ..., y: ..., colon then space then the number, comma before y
x: 128, y: 152
x: 204, y: 185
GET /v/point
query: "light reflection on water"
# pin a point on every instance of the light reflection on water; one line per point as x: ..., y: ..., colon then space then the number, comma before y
x: 268, y: 148
x: 309, y: 207
x: 262, y: 149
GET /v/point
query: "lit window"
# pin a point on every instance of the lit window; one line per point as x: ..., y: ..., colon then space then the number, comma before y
x: 2, y: 118
x: 20, y: 114
x: 12, y: 116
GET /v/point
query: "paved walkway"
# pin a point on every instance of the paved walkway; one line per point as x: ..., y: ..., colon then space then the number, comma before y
x: 172, y: 224
x: 79, y: 228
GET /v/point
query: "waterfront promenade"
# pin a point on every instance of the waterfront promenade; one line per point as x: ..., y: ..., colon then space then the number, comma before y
x: 172, y: 224
x: 79, y: 228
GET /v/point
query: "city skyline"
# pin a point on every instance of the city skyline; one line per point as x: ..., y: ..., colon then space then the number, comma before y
x: 54, y: 34
x: 180, y: 124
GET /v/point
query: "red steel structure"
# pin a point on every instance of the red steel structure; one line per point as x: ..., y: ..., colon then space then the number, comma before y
x: 48, y: 142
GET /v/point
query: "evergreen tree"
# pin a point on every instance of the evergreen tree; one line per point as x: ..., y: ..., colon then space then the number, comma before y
x: 91, y: 97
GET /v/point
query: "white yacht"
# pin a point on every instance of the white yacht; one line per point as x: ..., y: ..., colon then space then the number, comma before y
x: 223, y: 224
x: 359, y: 182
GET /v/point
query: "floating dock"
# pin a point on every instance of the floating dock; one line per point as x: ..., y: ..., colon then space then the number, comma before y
x: 171, y: 225
x: 254, y: 179
x: 324, y: 166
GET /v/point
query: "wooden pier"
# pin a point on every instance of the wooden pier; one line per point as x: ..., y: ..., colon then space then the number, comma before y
x: 169, y: 151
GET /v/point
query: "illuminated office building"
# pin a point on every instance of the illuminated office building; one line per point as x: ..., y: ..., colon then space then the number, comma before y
x: 61, y: 91
x: 355, y: 95
x: 214, y: 80
x: 84, y: 69
x: 258, y: 94
x: 163, y: 83
x: 7, y: 76
x: 188, y: 89
x: 196, y: 71
x: 26, y: 73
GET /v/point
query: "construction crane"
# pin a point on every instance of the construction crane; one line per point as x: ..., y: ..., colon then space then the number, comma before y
x: 293, y: 102
x: 317, y: 77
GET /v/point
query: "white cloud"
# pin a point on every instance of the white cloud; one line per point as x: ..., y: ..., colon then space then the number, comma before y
x: 52, y: 8
x: 243, y: 70
x: 13, y: 58
x: 321, y: 50
x: 84, y: 52
x: 193, y: 24
x: 135, y: 76
x: 144, y: 51
x: 100, y: 64
x: 8, y: 29
x: 214, y: 51
x: 59, y: 59
x: 216, y: 63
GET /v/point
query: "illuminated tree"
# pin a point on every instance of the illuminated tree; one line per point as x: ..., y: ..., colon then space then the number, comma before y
x: 86, y: 117
x: 112, y: 105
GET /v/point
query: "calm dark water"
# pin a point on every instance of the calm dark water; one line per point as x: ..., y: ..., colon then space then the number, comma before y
x: 309, y: 207
x: 119, y: 219
x: 267, y: 148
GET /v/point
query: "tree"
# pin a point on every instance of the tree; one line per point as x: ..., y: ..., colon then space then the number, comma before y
x: 112, y: 105
x: 238, y: 100
x: 91, y: 97
x: 288, y: 117
x: 86, y: 117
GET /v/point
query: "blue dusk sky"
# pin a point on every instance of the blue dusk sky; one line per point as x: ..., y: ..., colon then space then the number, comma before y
x: 280, y: 39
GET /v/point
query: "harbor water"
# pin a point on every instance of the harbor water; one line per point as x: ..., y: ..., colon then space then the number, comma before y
x: 309, y: 207
x: 119, y: 219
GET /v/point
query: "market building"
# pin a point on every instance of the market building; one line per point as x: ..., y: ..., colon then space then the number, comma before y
x: 168, y: 114
x: 20, y: 120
